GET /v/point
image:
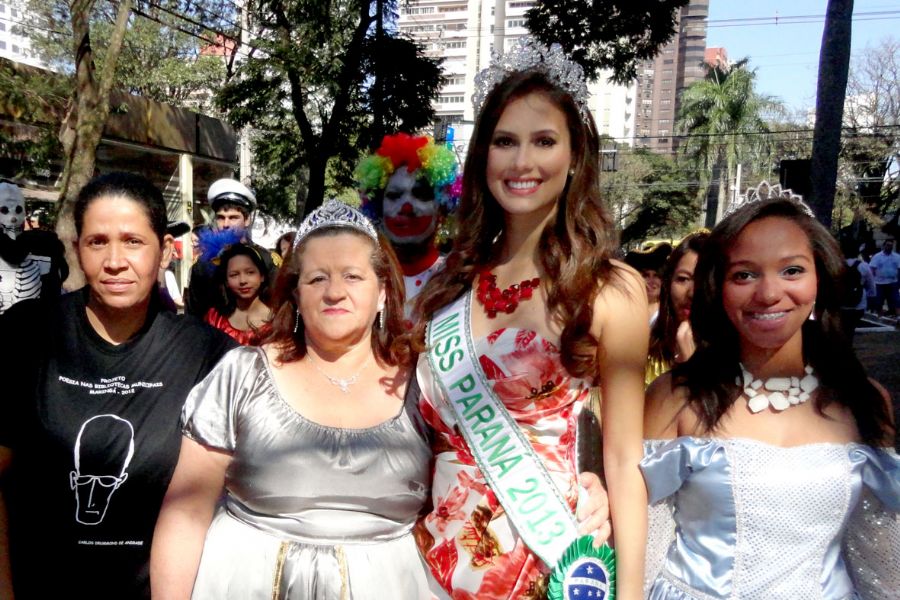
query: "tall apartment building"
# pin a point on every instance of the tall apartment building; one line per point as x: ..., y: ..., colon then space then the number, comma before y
x: 14, y: 45
x: 465, y: 32
x: 662, y: 80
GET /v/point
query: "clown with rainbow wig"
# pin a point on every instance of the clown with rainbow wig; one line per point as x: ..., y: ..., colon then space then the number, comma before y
x: 410, y: 186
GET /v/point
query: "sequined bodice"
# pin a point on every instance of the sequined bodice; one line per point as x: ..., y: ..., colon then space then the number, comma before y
x: 761, y: 521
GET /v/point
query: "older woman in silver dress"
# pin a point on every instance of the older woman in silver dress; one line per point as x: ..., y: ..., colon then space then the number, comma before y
x: 321, y: 496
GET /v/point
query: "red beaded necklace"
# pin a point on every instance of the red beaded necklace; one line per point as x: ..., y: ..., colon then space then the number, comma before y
x: 507, y: 301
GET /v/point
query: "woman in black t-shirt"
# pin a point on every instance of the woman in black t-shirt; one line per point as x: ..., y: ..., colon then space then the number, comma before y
x: 89, y: 433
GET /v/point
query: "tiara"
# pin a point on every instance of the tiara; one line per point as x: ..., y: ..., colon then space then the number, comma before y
x: 766, y: 191
x: 334, y: 213
x: 529, y: 54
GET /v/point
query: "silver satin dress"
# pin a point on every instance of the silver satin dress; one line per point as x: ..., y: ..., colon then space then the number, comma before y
x: 752, y: 520
x: 310, y: 511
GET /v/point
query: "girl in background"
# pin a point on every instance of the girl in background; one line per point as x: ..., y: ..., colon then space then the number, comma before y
x: 243, y: 277
x: 671, y: 339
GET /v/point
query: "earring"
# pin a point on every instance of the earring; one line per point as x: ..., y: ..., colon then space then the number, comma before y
x: 297, y: 321
x: 572, y: 172
x: 812, y: 313
x: 381, y: 319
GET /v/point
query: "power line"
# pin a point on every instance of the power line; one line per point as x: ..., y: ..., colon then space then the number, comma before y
x: 30, y: 26
x: 738, y: 22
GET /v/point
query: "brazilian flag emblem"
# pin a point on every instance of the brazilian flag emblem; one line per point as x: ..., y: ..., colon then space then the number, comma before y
x: 584, y: 573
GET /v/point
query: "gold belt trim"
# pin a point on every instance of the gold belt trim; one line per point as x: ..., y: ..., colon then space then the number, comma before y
x: 279, y: 570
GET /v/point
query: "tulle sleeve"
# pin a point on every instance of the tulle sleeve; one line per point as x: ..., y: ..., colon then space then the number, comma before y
x: 871, y: 541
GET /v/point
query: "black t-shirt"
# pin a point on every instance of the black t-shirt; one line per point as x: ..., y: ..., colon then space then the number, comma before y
x: 95, y: 434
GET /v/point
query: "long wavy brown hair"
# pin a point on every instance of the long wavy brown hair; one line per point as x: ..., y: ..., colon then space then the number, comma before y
x: 392, y: 344
x: 575, y: 247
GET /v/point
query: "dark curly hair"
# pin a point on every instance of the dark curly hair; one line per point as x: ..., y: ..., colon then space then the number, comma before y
x: 575, y: 247
x: 392, y: 344
x: 710, y: 374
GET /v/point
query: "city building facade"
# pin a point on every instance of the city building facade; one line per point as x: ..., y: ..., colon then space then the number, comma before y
x: 465, y: 33
x: 14, y: 42
x: 662, y: 79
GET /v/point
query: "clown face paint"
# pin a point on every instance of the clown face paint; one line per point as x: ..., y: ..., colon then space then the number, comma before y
x: 410, y: 212
x: 12, y: 210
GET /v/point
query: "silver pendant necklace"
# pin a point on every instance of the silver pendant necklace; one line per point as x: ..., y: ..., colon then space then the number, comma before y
x: 344, y: 384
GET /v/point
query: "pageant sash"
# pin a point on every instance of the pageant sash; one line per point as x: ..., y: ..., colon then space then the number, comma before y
x: 510, y: 465
x: 506, y: 458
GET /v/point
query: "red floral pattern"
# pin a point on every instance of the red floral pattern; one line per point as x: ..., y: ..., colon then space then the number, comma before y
x: 469, y: 543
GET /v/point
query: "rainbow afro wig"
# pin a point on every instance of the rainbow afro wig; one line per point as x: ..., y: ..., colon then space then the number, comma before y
x: 436, y: 164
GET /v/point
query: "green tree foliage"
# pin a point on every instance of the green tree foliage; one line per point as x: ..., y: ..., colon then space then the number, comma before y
x: 320, y: 85
x: 606, y: 34
x: 59, y: 24
x: 35, y: 103
x: 649, y: 197
x: 721, y: 115
x: 868, y: 192
x: 161, y: 55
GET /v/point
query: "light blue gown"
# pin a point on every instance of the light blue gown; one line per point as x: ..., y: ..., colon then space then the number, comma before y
x: 752, y: 520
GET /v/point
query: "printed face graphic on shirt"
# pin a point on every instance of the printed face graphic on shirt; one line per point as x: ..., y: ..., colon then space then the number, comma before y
x: 12, y: 210
x: 103, y: 450
x: 410, y: 212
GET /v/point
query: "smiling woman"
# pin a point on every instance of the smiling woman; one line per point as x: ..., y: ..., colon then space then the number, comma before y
x: 547, y: 314
x: 100, y: 376
x: 773, y: 409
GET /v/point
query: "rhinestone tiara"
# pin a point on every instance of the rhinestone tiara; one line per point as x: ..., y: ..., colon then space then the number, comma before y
x: 529, y: 54
x: 766, y: 191
x: 334, y: 213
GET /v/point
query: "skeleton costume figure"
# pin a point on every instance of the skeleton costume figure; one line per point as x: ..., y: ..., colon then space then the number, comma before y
x: 410, y: 186
x: 20, y: 272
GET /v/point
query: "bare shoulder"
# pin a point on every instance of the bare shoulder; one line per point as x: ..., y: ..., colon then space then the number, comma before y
x: 663, y: 407
x: 624, y: 284
x: 621, y: 300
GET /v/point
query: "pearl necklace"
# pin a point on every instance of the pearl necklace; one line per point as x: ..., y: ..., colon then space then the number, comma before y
x: 778, y: 392
x: 344, y: 384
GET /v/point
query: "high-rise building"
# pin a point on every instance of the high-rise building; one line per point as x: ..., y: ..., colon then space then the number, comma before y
x: 662, y: 80
x: 14, y: 42
x: 465, y: 33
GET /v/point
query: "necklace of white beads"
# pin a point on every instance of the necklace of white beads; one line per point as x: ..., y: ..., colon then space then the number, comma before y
x: 778, y: 392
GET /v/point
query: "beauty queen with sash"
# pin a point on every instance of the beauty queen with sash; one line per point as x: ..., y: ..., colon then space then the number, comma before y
x: 511, y: 358
x: 517, y: 490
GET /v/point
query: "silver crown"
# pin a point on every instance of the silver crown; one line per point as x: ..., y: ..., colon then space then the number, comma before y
x: 334, y: 213
x: 529, y: 54
x: 766, y: 191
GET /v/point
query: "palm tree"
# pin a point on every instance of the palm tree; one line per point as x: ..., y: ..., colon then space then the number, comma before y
x: 720, y: 114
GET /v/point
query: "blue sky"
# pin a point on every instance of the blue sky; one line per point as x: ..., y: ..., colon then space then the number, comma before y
x: 786, y: 55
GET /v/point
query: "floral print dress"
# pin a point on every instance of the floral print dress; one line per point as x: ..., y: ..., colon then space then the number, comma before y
x: 471, y: 547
